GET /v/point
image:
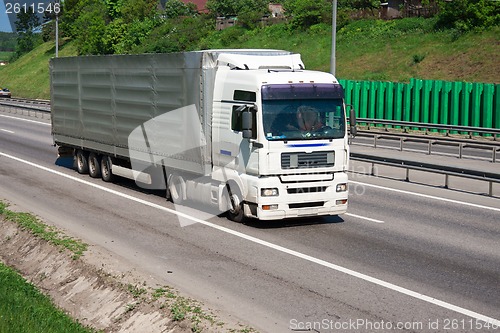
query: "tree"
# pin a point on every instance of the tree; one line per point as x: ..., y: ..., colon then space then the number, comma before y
x: 236, y: 7
x: 176, y: 8
x: 26, y: 23
x: 468, y: 14
x: 90, y: 26
x: 305, y: 13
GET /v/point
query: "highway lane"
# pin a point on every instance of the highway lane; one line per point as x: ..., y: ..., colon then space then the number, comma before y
x: 446, y: 250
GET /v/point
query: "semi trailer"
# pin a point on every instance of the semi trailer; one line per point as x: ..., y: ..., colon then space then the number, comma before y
x: 247, y: 132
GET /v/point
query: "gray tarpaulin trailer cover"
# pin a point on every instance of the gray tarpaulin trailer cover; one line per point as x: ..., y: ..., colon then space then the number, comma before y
x: 98, y: 102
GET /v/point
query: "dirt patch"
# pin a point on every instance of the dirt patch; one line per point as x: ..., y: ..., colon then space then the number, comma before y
x: 100, y: 291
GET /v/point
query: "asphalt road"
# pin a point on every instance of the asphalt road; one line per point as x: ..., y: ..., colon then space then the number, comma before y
x: 407, y: 257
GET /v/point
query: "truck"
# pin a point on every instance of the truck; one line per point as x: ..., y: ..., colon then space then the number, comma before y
x: 229, y: 130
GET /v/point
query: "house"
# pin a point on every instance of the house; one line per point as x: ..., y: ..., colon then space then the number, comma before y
x: 391, y: 9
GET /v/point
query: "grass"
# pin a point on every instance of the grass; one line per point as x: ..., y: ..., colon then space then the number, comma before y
x: 48, y: 233
x: 5, y: 56
x: 23, y: 309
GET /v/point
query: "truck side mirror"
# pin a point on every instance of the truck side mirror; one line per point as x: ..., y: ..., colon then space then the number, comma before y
x: 352, y: 121
x: 247, y: 121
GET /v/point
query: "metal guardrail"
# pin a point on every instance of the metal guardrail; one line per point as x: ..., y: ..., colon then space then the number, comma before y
x: 494, y: 132
x: 428, y: 167
x: 432, y: 140
x: 29, y: 109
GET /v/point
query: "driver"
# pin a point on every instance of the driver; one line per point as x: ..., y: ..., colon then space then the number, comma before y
x: 308, y: 118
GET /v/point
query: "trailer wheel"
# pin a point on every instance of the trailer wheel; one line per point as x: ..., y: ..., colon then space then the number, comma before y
x: 106, y: 173
x: 94, y: 165
x: 177, y: 189
x: 235, y: 204
x: 82, y: 162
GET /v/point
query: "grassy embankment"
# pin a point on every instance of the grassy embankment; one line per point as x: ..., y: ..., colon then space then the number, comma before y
x: 24, y: 309
x: 366, y: 50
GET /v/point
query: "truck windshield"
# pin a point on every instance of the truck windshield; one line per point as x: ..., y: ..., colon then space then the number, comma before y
x: 303, y: 119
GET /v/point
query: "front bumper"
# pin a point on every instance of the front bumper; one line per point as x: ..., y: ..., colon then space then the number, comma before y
x: 301, y: 199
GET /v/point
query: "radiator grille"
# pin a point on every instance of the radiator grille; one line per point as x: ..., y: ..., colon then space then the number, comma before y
x: 303, y: 160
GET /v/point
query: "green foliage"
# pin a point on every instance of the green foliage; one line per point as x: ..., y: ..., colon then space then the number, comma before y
x: 90, y: 27
x: 306, y: 13
x: 8, y: 41
x: 176, y: 8
x: 465, y: 15
x: 236, y: 7
x: 175, y: 36
x: 359, y: 4
x: 138, y: 10
x: 27, y: 40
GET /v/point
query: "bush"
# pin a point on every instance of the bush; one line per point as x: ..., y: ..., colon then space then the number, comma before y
x: 466, y: 15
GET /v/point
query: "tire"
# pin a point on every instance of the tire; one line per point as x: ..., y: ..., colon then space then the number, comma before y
x: 106, y: 167
x: 235, y: 212
x: 177, y: 189
x: 94, y: 165
x: 82, y: 162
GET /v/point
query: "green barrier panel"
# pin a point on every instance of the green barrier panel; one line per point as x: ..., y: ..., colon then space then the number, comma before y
x: 355, y: 99
x: 364, y: 89
x: 465, y: 110
x: 425, y: 108
x: 477, y: 107
x: 435, y: 98
x: 417, y: 99
x: 380, y: 101
x: 496, y: 107
x: 407, y: 98
x: 445, y: 103
x: 398, y: 101
x: 372, y: 99
x: 428, y: 101
x: 487, y: 102
x: 456, y: 90
x: 389, y: 101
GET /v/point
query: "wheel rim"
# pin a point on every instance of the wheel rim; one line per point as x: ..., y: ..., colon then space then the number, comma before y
x: 235, y: 204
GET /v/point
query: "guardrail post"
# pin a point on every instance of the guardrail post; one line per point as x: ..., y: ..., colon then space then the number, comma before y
x: 446, y: 180
x: 407, y: 175
x: 490, y: 190
x: 460, y: 148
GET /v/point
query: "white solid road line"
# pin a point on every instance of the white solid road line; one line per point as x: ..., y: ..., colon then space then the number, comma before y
x: 492, y: 321
x: 364, y: 218
x: 7, y: 131
x: 427, y: 196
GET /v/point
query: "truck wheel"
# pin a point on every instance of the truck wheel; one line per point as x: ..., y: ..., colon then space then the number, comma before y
x: 106, y: 173
x: 235, y: 212
x: 82, y: 162
x: 94, y: 165
x: 177, y: 189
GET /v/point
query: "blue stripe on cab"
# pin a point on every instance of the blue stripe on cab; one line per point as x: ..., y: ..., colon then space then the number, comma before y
x: 296, y: 145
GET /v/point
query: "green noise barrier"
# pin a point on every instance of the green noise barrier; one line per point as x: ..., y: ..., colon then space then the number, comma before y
x: 426, y: 101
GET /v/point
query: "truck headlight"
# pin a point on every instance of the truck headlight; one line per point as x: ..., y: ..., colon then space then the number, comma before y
x: 269, y: 192
x: 341, y: 187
